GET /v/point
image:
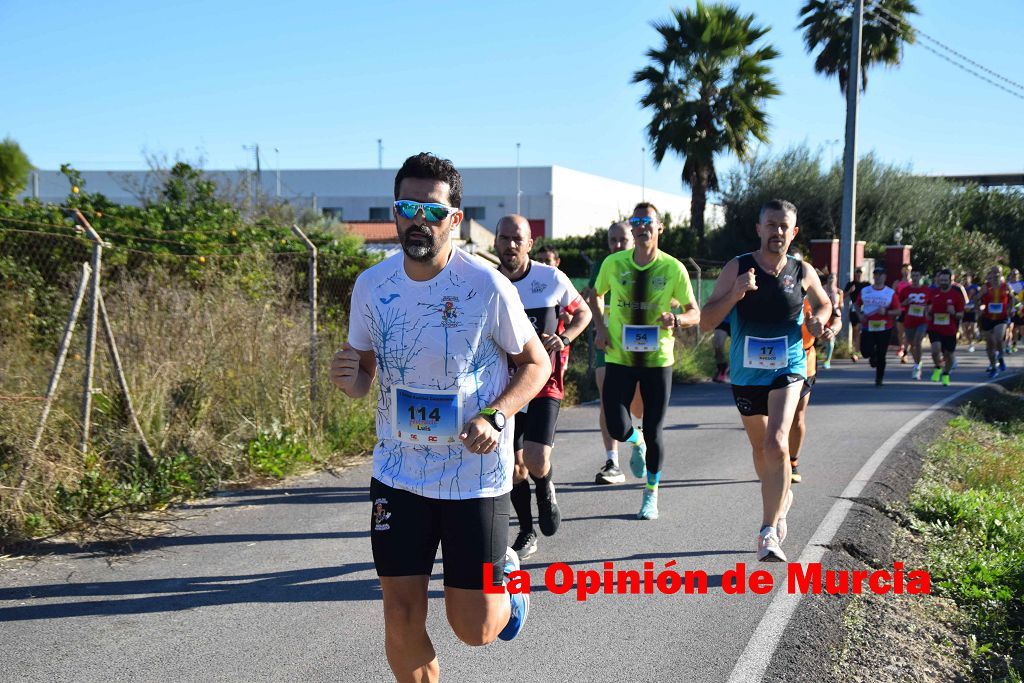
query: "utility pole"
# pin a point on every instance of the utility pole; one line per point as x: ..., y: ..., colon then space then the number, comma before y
x: 380, y: 154
x: 519, y: 187
x: 849, y: 219
x: 277, y: 160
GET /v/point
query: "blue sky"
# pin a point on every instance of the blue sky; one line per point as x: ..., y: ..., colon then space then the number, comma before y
x: 96, y: 84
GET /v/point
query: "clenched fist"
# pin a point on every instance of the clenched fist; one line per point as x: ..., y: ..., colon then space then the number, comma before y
x: 746, y: 282
x: 345, y: 368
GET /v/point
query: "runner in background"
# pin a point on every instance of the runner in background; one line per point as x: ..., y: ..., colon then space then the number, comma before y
x: 902, y: 284
x: 548, y: 256
x: 1016, y: 286
x: 915, y: 317
x: 718, y: 339
x: 549, y: 298
x: 640, y: 343
x: 969, y: 328
x: 994, y: 311
x: 851, y: 291
x: 946, y: 306
x: 836, y: 297
x: 620, y: 238
x: 878, y: 307
x: 828, y: 335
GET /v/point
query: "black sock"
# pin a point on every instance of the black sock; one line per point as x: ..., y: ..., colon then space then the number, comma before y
x: 542, y: 484
x: 521, y: 504
x: 721, y: 368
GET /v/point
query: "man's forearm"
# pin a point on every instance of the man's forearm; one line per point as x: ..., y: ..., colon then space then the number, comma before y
x: 523, y: 387
x: 361, y: 387
x: 579, y: 323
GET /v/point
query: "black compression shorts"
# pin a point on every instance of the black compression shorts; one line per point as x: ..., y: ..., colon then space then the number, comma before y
x: 537, y: 424
x: 753, y: 399
x: 406, y: 528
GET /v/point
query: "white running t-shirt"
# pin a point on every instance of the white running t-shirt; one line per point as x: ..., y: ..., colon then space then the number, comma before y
x: 447, y: 336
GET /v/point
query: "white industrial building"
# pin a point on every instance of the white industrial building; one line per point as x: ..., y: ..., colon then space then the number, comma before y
x: 559, y: 202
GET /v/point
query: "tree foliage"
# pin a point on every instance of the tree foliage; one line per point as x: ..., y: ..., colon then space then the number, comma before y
x: 14, y: 168
x: 706, y: 86
x: 827, y: 26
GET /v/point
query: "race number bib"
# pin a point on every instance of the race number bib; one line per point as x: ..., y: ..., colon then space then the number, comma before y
x: 876, y: 326
x: 640, y: 337
x: 766, y: 354
x: 916, y: 311
x: 425, y: 416
x: 995, y: 308
x: 941, y: 319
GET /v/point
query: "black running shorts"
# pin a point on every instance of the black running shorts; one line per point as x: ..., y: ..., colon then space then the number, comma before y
x: 753, y: 399
x: 538, y: 423
x: 987, y: 324
x: 970, y: 317
x: 948, y: 341
x: 406, y: 528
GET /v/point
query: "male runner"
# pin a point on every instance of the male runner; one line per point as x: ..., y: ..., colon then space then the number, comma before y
x: 877, y: 306
x: 915, y: 316
x: 434, y: 326
x: 828, y: 335
x: 1016, y: 286
x: 995, y: 312
x: 901, y: 339
x: 851, y: 292
x: 762, y: 294
x: 620, y: 238
x: 946, y: 307
x: 546, y: 294
x: 836, y: 297
x: 548, y: 256
x: 969, y: 327
x: 640, y: 344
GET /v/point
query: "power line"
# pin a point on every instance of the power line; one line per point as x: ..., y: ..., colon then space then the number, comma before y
x: 1019, y: 95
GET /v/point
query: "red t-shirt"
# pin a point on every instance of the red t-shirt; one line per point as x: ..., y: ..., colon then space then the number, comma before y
x: 901, y: 287
x: 875, y: 305
x: 915, y: 305
x: 996, y: 303
x: 942, y: 321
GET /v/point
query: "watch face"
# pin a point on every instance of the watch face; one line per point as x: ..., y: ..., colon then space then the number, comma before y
x: 499, y: 420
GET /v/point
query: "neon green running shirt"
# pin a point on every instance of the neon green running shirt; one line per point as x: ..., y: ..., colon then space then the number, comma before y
x: 639, y: 295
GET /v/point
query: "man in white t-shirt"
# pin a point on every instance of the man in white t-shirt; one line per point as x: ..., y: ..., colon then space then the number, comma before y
x: 559, y: 315
x: 435, y: 326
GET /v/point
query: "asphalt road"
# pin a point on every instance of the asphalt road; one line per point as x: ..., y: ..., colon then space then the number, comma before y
x: 278, y: 584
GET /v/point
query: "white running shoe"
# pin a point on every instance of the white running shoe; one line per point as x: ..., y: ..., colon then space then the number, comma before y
x: 768, y: 549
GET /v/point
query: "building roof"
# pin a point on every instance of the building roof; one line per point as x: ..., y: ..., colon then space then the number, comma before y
x: 374, y: 232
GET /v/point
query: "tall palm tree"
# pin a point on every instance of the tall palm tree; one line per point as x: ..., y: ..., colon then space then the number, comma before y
x: 706, y: 85
x: 827, y: 25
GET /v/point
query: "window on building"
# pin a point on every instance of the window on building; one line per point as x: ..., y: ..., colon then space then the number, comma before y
x: 333, y: 212
x: 477, y: 213
x: 380, y: 213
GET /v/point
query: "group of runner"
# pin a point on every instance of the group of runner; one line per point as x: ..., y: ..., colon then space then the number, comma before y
x: 470, y: 362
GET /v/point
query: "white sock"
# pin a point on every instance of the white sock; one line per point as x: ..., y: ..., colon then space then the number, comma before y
x: 613, y: 455
x: 766, y: 529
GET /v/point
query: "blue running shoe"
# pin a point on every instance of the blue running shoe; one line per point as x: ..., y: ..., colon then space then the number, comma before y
x: 649, y: 507
x: 638, y: 460
x: 991, y: 371
x: 1002, y: 364
x: 520, y: 601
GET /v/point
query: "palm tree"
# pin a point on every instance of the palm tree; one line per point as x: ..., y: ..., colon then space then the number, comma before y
x: 827, y: 25
x: 706, y: 85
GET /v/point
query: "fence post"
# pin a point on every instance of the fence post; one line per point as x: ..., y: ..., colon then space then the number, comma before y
x: 700, y: 287
x: 90, y: 338
x: 311, y: 248
x: 590, y: 328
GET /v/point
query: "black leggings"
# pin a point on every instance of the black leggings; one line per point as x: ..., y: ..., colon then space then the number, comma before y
x: 874, y: 345
x: 655, y: 387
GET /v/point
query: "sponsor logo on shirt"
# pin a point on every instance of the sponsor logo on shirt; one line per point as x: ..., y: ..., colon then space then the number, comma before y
x: 659, y: 282
x: 538, y: 287
x: 788, y: 283
x: 449, y: 312
x: 389, y: 299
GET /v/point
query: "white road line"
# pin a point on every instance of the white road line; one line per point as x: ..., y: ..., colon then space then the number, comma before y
x: 752, y: 664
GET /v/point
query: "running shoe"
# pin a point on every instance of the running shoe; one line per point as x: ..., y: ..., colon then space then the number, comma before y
x: 520, y: 601
x: 525, y: 545
x: 937, y: 375
x: 610, y: 474
x: 781, y: 526
x: 916, y: 372
x: 795, y: 476
x: 945, y: 380
x: 990, y: 371
x: 1002, y: 364
x: 768, y: 549
x: 854, y: 357
x: 970, y: 349
x: 827, y: 365
x: 649, y: 506
x: 956, y: 363
x: 878, y: 381
x: 548, y: 514
x: 638, y: 460
x: 719, y: 377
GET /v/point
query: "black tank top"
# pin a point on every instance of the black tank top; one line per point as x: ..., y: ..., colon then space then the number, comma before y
x: 776, y: 299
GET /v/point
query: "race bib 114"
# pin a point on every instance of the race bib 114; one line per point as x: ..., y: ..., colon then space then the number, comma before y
x: 425, y: 416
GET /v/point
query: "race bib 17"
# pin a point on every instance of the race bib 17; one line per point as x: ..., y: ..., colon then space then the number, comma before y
x: 766, y: 354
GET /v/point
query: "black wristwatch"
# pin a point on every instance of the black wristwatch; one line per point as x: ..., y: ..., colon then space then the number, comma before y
x: 565, y: 340
x: 495, y: 417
